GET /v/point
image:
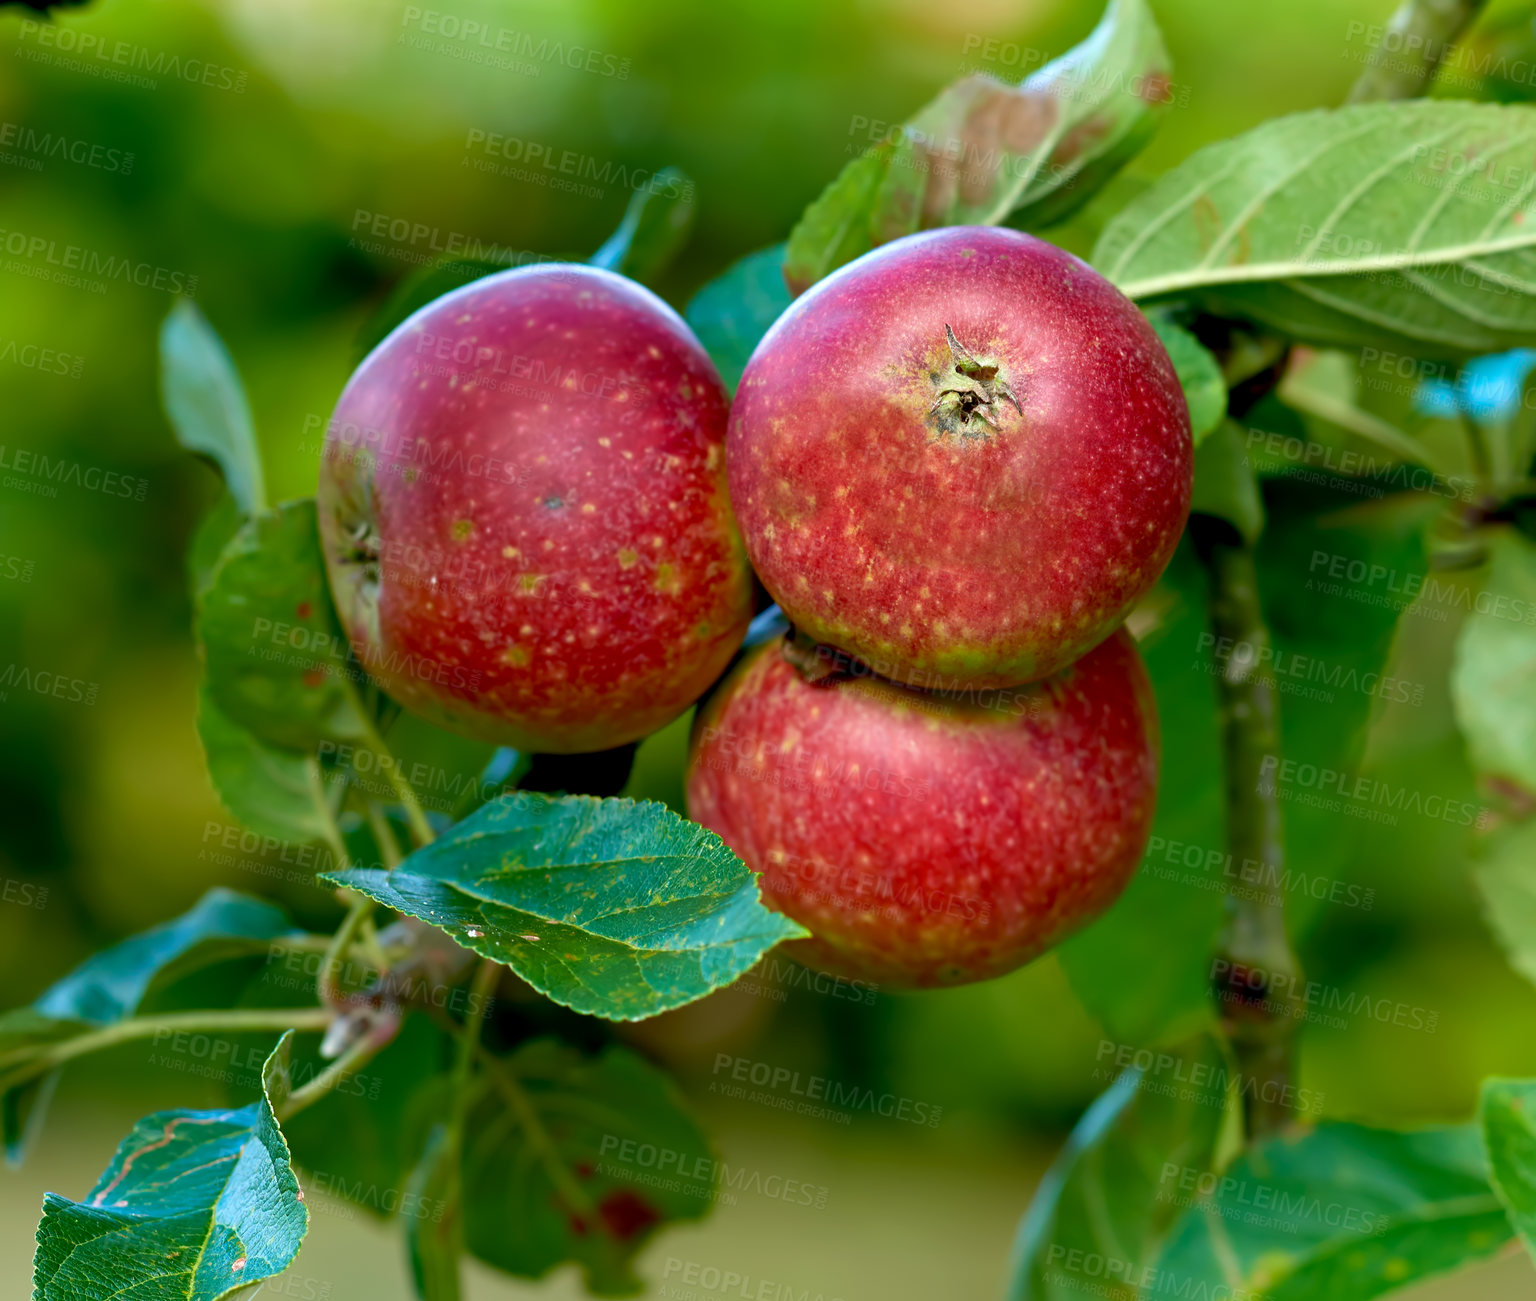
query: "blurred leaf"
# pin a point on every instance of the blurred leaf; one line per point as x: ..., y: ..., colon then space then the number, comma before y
x: 206, y: 403
x: 1143, y: 969
x: 111, y: 984
x: 415, y: 292
x: 216, y: 531
x: 654, y: 229
x: 196, y: 1205
x: 1506, y: 879
x: 1225, y: 485
x: 22, y: 1112
x: 1199, y: 375
x: 984, y: 152
x: 1327, y: 227
x: 1106, y: 1194
x: 732, y: 312
x: 272, y: 791
x: 433, y: 1242
x: 274, y: 653
x: 609, y: 907
x: 1331, y: 642
x: 1347, y: 1213
x: 553, y: 1165
x: 362, y: 1140
x: 1507, y: 1113
x: 1493, y: 681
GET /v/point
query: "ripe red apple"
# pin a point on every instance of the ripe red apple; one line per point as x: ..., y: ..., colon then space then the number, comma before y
x: 960, y: 458
x: 523, y: 509
x: 924, y: 839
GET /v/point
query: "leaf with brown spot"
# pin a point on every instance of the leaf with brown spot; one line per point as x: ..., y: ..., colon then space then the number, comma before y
x: 985, y: 152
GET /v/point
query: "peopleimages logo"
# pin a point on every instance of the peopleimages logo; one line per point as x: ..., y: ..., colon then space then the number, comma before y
x: 1338, y: 791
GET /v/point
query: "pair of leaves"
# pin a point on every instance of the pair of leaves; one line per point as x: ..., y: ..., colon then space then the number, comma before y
x: 195, y: 1204
x: 610, y: 907
x: 114, y: 984
x: 1343, y: 1211
x: 275, y: 673
x: 558, y: 1160
x: 1409, y: 225
x: 984, y: 152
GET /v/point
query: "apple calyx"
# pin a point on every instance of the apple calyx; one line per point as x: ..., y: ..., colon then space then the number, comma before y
x: 969, y: 391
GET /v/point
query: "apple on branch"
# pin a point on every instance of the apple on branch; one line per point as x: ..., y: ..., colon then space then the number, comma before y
x: 524, y: 515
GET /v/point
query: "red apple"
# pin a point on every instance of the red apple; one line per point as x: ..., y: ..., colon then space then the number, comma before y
x: 923, y: 839
x: 523, y: 510
x: 960, y: 458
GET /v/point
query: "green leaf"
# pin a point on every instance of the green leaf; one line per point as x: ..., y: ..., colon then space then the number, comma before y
x: 1199, y: 375
x: 275, y: 656
x: 1493, y: 680
x: 1343, y: 1213
x: 1507, y: 1114
x: 562, y: 1163
x: 272, y: 791
x: 609, y: 907
x: 23, y: 1108
x: 732, y: 312
x: 1225, y: 485
x: 196, y: 1205
x: 1107, y: 1194
x: 110, y: 985
x: 655, y: 227
x: 1506, y: 878
x: 206, y: 403
x: 1407, y: 224
x: 985, y: 152
x: 434, y: 1242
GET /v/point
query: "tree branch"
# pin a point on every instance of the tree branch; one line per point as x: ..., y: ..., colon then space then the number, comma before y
x: 1254, y: 974
x: 1412, y: 48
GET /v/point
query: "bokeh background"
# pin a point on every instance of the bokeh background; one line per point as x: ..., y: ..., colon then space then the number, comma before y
x: 316, y: 116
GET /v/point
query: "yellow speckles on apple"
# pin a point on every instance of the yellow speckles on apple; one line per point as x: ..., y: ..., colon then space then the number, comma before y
x: 653, y: 352
x: 463, y: 530
x: 924, y: 592
x: 510, y: 552
x: 516, y: 656
x: 666, y: 580
x: 411, y: 474
x: 530, y: 583
x: 627, y: 558
x: 605, y: 442
x: 548, y: 544
x: 587, y: 508
x: 465, y: 319
x: 657, y: 541
x: 622, y: 395
x: 713, y: 456
x: 885, y: 618
x: 905, y: 630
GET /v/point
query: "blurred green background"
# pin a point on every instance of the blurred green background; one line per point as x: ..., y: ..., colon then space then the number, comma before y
x: 316, y: 117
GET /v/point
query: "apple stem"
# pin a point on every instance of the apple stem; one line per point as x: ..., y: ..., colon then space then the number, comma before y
x: 1254, y: 973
